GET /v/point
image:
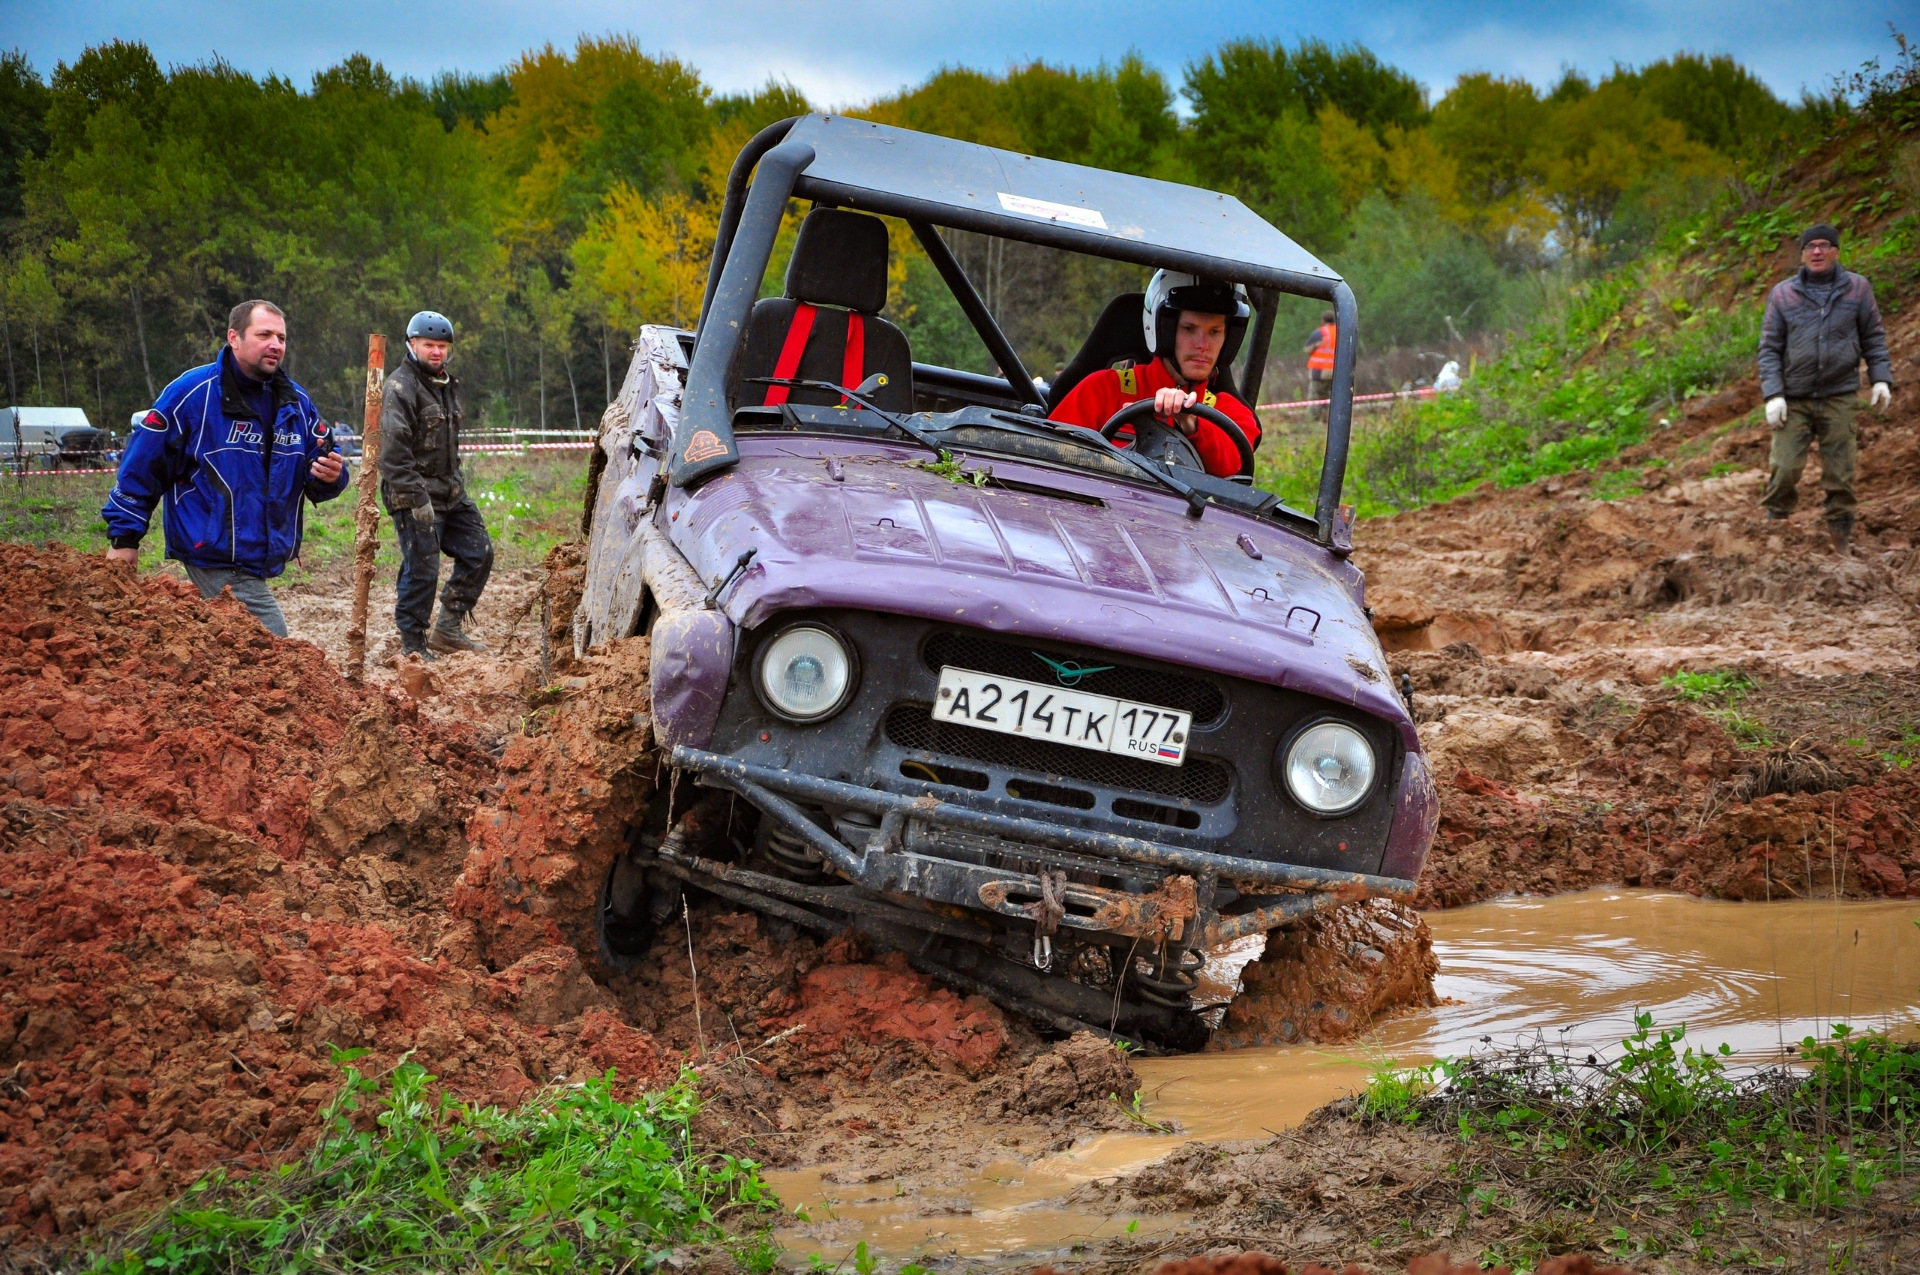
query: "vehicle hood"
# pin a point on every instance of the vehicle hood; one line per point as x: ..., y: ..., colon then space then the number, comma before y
x: 1062, y: 556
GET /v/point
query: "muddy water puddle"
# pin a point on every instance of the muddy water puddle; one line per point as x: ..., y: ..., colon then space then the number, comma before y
x: 1573, y: 967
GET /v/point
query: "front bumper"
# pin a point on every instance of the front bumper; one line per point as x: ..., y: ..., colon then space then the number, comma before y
x: 902, y: 856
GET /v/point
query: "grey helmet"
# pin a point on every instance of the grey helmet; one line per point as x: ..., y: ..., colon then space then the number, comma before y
x: 430, y: 324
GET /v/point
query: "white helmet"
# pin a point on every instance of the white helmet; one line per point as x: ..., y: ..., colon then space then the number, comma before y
x: 1171, y: 292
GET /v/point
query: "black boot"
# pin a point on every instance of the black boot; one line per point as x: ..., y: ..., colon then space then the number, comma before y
x: 1840, y: 531
x: 1776, y: 515
x: 447, y: 636
x: 415, y: 644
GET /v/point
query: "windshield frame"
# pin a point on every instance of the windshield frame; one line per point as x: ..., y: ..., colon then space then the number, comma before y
x: 771, y: 169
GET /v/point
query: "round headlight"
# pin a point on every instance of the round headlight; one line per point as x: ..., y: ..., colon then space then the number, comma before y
x: 806, y: 673
x: 1329, y: 768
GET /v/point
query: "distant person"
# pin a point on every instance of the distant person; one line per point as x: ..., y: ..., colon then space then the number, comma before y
x: 421, y: 485
x: 1819, y: 325
x: 232, y: 447
x: 1192, y: 326
x: 1319, y: 351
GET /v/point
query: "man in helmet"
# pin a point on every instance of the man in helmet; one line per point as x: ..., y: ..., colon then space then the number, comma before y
x: 1193, y: 328
x: 421, y: 485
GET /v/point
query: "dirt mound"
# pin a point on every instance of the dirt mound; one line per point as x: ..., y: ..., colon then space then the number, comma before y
x: 1084, y: 1070
x: 216, y: 860
x: 578, y: 771
x: 1667, y: 798
x: 1332, y: 977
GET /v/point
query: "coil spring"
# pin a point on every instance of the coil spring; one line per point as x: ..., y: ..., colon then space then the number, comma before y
x: 1170, y: 982
x: 791, y: 853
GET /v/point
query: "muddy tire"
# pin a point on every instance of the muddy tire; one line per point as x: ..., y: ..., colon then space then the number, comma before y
x: 576, y: 778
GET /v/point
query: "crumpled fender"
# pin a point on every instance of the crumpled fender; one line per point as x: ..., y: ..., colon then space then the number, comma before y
x: 691, y: 654
x: 1416, y: 818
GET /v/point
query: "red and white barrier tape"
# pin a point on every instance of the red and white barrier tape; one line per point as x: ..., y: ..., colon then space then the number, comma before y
x: 473, y: 447
x: 1303, y: 404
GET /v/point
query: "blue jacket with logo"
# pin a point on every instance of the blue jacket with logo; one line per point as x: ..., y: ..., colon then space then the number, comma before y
x: 234, y: 485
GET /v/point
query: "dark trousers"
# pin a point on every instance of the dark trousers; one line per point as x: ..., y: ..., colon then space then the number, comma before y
x: 1828, y: 422
x: 458, y: 533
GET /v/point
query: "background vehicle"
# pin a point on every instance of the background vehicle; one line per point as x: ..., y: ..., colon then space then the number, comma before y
x: 885, y: 616
x: 51, y: 438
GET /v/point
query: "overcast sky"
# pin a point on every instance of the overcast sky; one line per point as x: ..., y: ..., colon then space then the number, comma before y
x: 844, y: 52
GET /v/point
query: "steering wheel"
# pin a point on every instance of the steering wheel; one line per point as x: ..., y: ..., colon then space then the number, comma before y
x: 1141, y: 413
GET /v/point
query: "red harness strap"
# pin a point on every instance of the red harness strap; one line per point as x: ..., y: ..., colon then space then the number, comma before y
x: 790, y: 351
x: 852, y: 370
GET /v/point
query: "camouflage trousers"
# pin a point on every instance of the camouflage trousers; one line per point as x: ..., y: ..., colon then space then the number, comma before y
x: 1829, y: 421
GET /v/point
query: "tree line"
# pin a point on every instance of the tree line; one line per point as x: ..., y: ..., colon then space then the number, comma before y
x: 552, y: 207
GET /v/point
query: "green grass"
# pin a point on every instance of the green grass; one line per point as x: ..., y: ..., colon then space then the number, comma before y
x: 403, y: 1180
x: 1720, y: 692
x: 1668, y: 1144
x: 530, y: 503
x: 1609, y: 357
x: 1571, y: 393
x: 1721, y: 686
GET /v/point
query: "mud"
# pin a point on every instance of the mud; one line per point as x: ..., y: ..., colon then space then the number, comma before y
x: 218, y: 860
x: 1537, y: 625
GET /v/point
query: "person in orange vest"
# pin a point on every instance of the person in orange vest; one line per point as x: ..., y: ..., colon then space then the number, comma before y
x: 1320, y: 358
x: 1194, y: 327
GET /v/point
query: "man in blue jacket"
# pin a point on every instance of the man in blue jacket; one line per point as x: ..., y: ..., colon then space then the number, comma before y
x: 1818, y: 327
x: 234, y: 448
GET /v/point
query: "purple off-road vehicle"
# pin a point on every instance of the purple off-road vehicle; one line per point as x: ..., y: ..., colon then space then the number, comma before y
x: 1049, y: 715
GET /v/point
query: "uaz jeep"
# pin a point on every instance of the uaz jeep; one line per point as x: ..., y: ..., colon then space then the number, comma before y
x: 1051, y: 715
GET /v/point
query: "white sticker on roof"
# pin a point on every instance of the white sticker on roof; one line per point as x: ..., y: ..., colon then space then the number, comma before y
x: 1070, y: 213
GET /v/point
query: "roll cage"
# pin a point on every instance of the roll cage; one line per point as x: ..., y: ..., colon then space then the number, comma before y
x: 931, y: 182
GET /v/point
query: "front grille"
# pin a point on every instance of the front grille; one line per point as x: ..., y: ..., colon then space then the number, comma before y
x: 1013, y: 659
x: 1200, y: 781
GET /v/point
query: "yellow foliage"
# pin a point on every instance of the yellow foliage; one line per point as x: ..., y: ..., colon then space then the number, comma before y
x: 646, y: 259
x: 1398, y: 163
x: 1352, y: 153
x: 563, y: 140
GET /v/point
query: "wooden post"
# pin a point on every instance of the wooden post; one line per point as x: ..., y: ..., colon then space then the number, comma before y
x: 366, y: 518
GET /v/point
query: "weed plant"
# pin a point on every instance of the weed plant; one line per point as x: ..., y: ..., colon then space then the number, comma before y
x: 1719, y: 694
x: 403, y: 1179
x: 1670, y: 1137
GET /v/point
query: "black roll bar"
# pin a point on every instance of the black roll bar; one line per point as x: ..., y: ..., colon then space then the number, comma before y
x: 750, y: 220
x: 704, y: 440
x: 977, y: 313
x: 761, y: 142
x: 1333, y: 470
x: 1259, y: 341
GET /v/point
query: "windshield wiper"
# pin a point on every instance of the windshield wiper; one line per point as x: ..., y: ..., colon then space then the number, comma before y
x: 859, y: 396
x: 1196, y: 500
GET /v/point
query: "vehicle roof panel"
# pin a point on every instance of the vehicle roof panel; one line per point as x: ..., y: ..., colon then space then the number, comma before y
x: 979, y: 187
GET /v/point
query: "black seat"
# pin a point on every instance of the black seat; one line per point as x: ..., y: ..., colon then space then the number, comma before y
x: 1118, y: 339
x: 838, y: 273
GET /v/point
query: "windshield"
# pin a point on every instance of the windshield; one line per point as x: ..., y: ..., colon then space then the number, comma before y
x: 873, y: 324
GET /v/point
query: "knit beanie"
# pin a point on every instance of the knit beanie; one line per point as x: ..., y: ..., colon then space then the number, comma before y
x: 1822, y: 231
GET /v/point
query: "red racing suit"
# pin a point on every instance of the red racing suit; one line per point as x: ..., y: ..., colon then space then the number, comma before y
x: 1092, y: 402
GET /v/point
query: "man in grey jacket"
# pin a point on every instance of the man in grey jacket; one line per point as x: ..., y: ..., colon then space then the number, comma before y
x: 422, y: 487
x: 1819, y: 325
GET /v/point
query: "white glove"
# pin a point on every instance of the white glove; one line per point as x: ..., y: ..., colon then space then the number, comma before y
x: 1882, y: 394
x: 424, y: 513
x: 1776, y: 412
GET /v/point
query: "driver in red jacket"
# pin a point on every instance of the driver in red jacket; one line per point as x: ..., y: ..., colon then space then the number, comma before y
x: 1195, y: 327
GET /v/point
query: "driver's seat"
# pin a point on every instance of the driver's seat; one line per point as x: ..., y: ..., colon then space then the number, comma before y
x: 828, y: 326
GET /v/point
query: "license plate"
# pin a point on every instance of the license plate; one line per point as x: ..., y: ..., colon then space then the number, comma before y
x: 1037, y: 711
